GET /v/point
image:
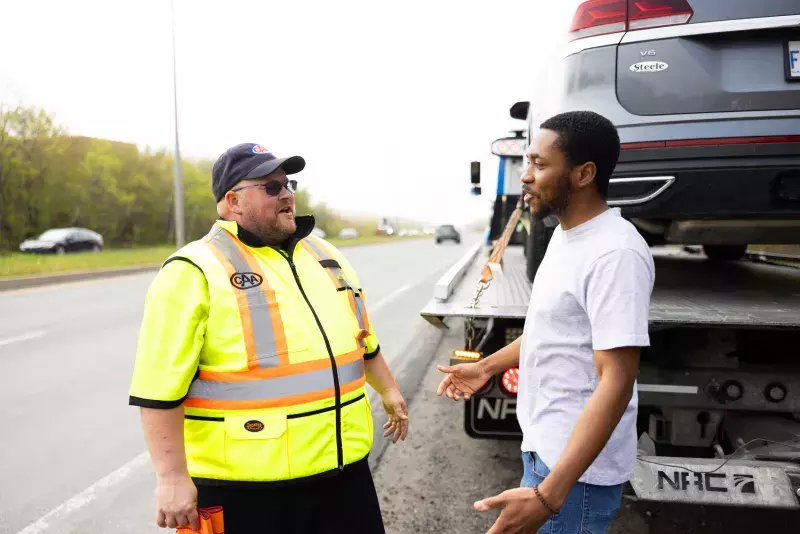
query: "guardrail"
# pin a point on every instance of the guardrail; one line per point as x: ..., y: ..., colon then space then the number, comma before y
x: 445, y: 286
x: 775, y: 258
x: 775, y: 255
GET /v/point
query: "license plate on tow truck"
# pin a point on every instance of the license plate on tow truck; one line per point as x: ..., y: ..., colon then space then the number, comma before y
x: 702, y: 481
x: 792, y: 50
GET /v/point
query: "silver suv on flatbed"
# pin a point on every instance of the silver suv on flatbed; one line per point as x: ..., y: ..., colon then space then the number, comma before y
x: 706, y: 97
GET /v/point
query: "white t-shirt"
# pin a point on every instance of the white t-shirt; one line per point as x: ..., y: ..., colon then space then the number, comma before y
x: 591, y: 292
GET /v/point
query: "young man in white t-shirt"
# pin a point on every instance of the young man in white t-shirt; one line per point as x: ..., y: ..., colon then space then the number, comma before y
x: 579, y: 354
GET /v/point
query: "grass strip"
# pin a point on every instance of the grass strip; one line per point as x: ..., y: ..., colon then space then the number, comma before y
x: 18, y: 264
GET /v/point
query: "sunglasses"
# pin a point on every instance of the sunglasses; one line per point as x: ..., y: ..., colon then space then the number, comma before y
x: 273, y: 187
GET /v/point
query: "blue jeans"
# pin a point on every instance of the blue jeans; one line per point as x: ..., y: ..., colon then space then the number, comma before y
x: 588, y: 509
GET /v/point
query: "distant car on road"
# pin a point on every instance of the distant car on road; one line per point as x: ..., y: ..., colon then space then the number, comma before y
x: 447, y: 232
x: 63, y: 240
x: 348, y: 233
x: 319, y: 232
x: 385, y: 230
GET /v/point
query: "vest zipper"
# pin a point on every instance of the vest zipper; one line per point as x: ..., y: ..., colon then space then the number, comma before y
x: 334, y: 368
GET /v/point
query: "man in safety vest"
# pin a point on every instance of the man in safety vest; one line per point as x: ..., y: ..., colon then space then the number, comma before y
x: 250, y: 373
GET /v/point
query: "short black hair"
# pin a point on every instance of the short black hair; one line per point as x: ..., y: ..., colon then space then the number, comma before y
x: 587, y: 136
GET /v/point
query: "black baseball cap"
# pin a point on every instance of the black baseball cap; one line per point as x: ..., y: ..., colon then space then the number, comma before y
x: 246, y: 162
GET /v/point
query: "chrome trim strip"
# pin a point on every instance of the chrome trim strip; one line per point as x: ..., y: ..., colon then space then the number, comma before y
x: 668, y: 181
x: 721, y: 26
x: 579, y: 45
x: 660, y: 388
x: 680, y: 30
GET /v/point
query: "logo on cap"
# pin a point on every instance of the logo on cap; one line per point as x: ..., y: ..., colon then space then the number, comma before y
x: 258, y: 149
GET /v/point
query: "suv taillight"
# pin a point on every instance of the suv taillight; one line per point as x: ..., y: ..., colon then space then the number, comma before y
x: 653, y: 13
x: 597, y: 17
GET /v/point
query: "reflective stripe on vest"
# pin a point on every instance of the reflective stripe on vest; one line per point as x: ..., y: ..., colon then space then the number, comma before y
x: 335, y: 271
x: 271, y: 388
x: 257, y: 305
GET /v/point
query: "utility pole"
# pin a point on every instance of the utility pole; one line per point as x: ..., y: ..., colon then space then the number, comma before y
x: 180, y: 234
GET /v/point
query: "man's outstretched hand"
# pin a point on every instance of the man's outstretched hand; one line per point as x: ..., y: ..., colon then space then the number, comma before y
x: 463, y: 379
x: 396, y: 409
x: 522, y: 513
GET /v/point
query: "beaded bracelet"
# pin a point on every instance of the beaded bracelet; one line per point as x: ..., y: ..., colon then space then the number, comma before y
x: 544, y: 502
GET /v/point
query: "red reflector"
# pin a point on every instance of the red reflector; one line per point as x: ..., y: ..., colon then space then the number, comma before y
x: 510, y: 380
x: 596, y: 17
x: 713, y: 142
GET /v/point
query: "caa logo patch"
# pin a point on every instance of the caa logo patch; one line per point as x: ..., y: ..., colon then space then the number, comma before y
x: 258, y: 149
x: 246, y: 280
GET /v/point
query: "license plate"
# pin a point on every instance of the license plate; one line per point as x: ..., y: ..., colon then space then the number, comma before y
x: 492, y: 417
x: 793, y: 60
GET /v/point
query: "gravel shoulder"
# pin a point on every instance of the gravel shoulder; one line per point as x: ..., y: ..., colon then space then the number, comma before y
x: 429, y: 482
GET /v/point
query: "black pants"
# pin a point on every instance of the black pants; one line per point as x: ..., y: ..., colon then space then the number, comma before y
x: 344, y: 502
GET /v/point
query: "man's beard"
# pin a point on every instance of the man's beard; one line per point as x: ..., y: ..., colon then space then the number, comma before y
x: 270, y: 235
x: 558, y: 205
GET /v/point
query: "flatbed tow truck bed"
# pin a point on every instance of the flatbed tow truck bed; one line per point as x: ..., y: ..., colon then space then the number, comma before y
x: 716, y: 329
x: 689, y: 291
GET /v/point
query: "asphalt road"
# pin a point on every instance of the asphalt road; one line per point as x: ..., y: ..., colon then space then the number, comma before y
x: 72, y: 456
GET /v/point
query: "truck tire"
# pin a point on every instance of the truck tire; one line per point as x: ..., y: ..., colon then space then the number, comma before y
x: 536, y: 246
x: 724, y: 252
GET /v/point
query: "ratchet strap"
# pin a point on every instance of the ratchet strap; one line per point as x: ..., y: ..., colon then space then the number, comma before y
x: 494, y: 263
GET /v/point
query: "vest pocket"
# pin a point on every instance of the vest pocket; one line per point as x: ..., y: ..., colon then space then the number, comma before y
x: 205, y: 446
x: 357, y: 430
x: 256, y: 445
x: 312, y: 441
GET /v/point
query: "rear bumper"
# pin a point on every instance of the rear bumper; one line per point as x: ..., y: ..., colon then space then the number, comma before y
x: 38, y: 250
x: 717, y: 182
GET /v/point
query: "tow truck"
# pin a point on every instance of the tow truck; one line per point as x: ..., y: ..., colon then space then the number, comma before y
x: 719, y: 387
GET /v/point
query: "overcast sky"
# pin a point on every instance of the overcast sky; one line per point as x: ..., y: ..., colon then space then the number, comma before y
x: 387, y: 101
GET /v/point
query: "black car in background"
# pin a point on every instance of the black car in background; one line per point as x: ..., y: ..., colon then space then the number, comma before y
x: 63, y: 240
x: 447, y: 232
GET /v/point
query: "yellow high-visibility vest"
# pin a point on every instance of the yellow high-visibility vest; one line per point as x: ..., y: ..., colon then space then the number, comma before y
x: 279, y: 394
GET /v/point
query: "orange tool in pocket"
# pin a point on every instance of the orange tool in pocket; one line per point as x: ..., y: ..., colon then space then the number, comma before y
x: 211, y: 522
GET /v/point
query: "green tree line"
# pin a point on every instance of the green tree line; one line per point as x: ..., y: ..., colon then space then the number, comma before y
x: 49, y: 179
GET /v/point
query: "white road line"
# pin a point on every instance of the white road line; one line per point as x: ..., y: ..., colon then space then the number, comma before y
x: 83, y: 498
x: 375, y: 308
x: 23, y: 337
